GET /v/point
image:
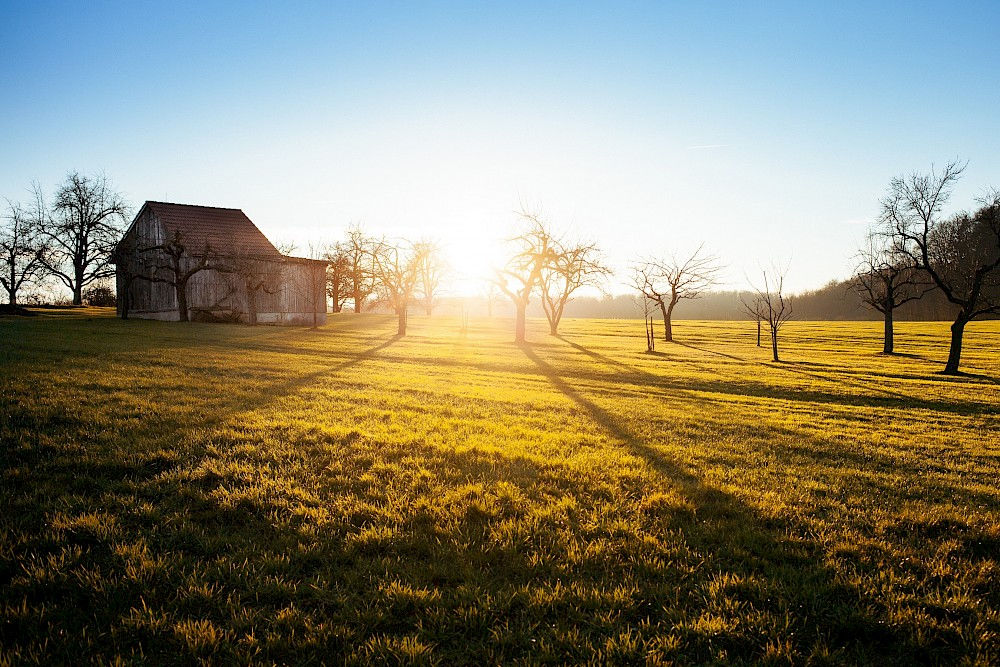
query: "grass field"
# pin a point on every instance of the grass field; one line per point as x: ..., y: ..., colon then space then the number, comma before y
x: 173, y: 492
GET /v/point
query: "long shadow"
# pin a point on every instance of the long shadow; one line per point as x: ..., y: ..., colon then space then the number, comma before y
x: 710, y: 351
x: 186, y: 543
x: 746, y: 388
x: 737, y: 537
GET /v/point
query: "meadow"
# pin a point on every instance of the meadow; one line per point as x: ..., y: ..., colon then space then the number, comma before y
x: 177, y: 493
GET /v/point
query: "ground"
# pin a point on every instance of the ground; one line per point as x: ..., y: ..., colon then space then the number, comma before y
x: 178, y: 492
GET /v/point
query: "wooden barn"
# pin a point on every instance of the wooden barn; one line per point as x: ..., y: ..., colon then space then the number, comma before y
x: 184, y: 262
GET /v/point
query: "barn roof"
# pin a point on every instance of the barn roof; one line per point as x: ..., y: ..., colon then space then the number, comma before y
x: 221, y: 228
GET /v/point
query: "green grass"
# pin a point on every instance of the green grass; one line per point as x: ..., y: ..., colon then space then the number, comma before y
x: 175, y: 493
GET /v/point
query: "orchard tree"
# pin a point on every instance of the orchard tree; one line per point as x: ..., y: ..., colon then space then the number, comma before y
x: 774, y: 306
x: 396, y: 267
x: 666, y: 282
x: 23, y: 249
x: 431, y: 272
x: 959, y: 254
x: 174, y: 264
x: 534, y: 252
x: 87, y: 220
x: 884, y: 281
x: 338, y: 275
x: 571, y: 267
x: 359, y: 249
x: 254, y: 275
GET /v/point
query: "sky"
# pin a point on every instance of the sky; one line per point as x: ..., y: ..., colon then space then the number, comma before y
x: 766, y: 131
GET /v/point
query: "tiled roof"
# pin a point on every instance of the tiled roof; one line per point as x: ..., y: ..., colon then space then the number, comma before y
x: 223, y: 229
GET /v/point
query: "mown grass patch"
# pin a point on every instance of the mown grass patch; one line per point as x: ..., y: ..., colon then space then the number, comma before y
x: 177, y: 493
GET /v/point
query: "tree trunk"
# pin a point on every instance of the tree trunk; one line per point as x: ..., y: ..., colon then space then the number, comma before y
x: 955, y: 352
x: 77, y: 294
x: 401, y: 325
x: 667, y: 333
x: 887, y: 337
x: 519, y: 319
x: 758, y: 332
x: 251, y: 308
x: 357, y: 302
x: 124, y: 296
x: 668, y: 323
x: 182, y: 302
x: 774, y: 344
x: 430, y: 309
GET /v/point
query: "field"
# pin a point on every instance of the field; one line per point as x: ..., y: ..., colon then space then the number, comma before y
x: 174, y: 493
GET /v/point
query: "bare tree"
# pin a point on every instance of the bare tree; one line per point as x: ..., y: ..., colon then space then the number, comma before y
x: 885, y: 281
x: 431, y: 272
x: 775, y: 307
x: 570, y: 268
x: 960, y: 255
x: 359, y: 250
x: 174, y: 264
x: 255, y: 275
x: 522, y: 275
x: 647, y: 320
x: 396, y: 267
x: 316, y: 270
x: 22, y: 248
x: 669, y: 281
x: 754, y: 309
x: 338, y: 275
x: 88, y: 219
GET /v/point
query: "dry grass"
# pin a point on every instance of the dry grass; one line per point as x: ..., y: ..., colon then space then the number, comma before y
x: 174, y: 493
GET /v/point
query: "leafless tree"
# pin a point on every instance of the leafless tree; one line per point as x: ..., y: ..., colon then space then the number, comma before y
x: 774, y: 305
x: 175, y: 264
x: 571, y: 267
x: 522, y: 275
x: 338, y: 276
x: 87, y: 221
x: 647, y: 320
x: 431, y: 272
x: 666, y: 282
x: 316, y: 271
x: 754, y: 309
x: 359, y: 250
x: 960, y: 254
x: 885, y: 281
x: 23, y: 248
x: 254, y: 275
x: 396, y: 268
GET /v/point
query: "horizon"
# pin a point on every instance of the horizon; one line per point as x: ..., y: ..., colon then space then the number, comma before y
x: 643, y: 129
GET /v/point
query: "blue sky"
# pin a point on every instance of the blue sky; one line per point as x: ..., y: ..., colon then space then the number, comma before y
x: 768, y: 131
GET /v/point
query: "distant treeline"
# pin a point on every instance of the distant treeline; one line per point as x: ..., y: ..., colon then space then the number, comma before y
x: 835, y: 301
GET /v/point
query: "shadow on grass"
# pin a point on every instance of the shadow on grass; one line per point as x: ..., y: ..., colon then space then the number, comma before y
x: 734, y: 537
x: 274, y: 586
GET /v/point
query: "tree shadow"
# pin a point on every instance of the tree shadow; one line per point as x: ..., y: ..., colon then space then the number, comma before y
x: 730, y: 532
x: 263, y: 571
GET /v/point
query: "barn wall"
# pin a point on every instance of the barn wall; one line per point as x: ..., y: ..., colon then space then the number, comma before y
x: 145, y: 297
x: 289, y: 299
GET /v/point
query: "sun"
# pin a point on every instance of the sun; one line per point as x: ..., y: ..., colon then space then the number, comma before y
x: 473, y: 257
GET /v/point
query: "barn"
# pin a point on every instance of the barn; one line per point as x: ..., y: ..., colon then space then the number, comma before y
x: 185, y: 262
